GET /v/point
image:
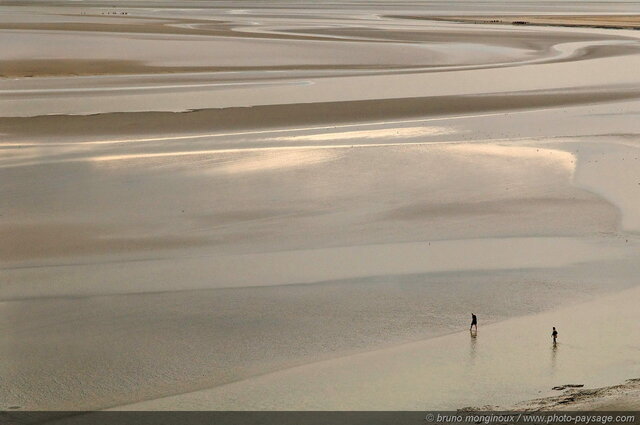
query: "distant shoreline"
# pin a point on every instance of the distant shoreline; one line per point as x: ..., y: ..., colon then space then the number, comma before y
x: 629, y: 22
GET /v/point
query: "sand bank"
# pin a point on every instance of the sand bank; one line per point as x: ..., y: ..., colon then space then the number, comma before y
x: 302, y: 114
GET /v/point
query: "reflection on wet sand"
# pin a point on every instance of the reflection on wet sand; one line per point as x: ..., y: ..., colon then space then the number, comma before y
x: 554, y: 357
x: 473, y: 347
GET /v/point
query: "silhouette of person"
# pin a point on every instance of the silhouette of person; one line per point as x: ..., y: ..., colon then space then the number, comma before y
x: 474, y: 322
x: 554, y: 334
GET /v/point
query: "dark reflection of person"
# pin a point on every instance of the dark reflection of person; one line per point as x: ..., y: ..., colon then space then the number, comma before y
x: 473, y: 347
x: 554, y: 358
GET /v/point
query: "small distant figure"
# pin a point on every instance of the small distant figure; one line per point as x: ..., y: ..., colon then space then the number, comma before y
x: 554, y: 334
x: 474, y: 322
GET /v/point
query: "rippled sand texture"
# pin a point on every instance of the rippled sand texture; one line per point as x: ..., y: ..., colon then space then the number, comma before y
x: 204, y: 206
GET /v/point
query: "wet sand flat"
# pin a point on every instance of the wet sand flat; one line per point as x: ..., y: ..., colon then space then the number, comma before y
x: 204, y: 207
x: 474, y: 369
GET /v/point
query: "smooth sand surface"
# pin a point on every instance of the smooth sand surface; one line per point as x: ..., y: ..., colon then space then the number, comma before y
x: 294, y: 206
x: 472, y: 368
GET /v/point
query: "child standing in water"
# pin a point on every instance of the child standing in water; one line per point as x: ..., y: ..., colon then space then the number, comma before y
x: 474, y: 321
x: 554, y: 334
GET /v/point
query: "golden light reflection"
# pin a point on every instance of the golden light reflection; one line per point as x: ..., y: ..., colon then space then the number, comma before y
x: 371, y: 134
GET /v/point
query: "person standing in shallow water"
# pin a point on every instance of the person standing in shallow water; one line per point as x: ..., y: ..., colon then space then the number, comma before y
x: 474, y: 322
x: 554, y: 334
